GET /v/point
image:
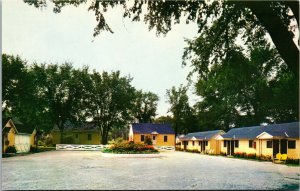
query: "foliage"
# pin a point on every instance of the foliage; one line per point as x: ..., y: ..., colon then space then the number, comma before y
x: 183, y: 121
x: 11, y: 149
x: 33, y: 149
x: 111, y: 99
x: 293, y: 161
x: 229, y: 18
x: 145, y: 106
x: 148, y: 141
x: 61, y: 93
x: 129, y: 147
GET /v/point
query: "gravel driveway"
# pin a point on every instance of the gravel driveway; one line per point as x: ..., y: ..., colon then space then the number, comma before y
x: 173, y: 170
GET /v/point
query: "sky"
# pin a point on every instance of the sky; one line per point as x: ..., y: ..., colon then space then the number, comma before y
x: 154, y: 63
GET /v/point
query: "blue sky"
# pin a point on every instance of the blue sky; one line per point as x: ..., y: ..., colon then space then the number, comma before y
x: 43, y: 36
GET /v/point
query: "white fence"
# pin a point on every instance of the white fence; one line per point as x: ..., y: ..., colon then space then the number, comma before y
x: 73, y: 147
x: 166, y: 148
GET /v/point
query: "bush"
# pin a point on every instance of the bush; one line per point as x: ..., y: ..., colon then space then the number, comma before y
x: 130, y: 147
x: 11, y: 149
x: 251, y: 156
x: 33, y: 149
x: 148, y: 141
x: 223, y: 154
x: 293, y: 161
x: 193, y: 150
x: 178, y: 149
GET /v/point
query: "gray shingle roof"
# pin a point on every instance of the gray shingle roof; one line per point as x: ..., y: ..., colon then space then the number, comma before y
x: 202, y: 135
x: 291, y: 129
x: 148, y: 128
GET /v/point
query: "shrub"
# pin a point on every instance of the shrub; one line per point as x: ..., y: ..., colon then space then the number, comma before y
x: 11, y: 149
x: 223, y: 154
x: 33, y: 149
x: 131, y: 147
x: 293, y: 161
x: 178, y: 149
x: 148, y: 141
x: 251, y: 156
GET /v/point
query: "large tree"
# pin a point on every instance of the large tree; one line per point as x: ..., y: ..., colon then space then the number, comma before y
x: 145, y: 106
x: 180, y: 108
x: 274, y: 17
x: 111, y: 101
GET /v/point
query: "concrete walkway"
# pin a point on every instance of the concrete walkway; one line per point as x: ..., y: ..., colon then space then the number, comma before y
x: 173, y: 170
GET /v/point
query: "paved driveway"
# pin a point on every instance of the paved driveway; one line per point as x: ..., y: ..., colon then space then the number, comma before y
x: 174, y: 170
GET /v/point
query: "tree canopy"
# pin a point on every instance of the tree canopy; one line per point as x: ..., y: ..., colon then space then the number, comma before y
x: 276, y: 18
x: 45, y: 95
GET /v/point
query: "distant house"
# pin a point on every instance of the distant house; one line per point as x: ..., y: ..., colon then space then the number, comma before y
x: 18, y: 135
x: 83, y: 133
x: 160, y: 134
x: 204, y: 141
x: 263, y: 140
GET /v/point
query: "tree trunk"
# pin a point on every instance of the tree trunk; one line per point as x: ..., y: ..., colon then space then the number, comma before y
x: 61, y: 136
x: 277, y: 30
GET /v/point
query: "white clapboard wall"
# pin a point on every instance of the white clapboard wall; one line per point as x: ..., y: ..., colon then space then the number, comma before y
x: 22, y: 143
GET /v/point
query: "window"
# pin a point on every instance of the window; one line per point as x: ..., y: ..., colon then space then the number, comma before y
x: 225, y: 143
x: 236, y: 143
x: 199, y: 142
x: 269, y: 144
x: 206, y: 143
x: 153, y: 138
x: 89, y: 137
x: 142, y: 137
x: 292, y: 144
x: 193, y: 143
x: 165, y: 138
x: 250, y: 143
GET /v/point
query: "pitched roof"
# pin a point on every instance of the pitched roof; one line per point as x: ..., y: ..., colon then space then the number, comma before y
x: 291, y: 129
x: 68, y: 125
x: 4, y: 121
x: 202, y: 135
x: 148, y: 128
x: 22, y: 128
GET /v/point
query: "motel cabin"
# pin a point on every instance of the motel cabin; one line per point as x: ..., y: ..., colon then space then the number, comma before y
x: 204, y: 142
x: 86, y: 133
x: 18, y: 135
x: 263, y: 140
x: 160, y: 134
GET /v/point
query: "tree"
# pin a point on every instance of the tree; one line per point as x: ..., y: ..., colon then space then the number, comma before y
x: 180, y: 108
x: 145, y: 106
x: 62, y: 92
x: 272, y: 16
x: 244, y: 89
x: 111, y: 101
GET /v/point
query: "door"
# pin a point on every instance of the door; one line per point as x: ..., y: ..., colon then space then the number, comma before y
x: 283, y: 146
x: 203, y: 145
x: 231, y: 147
x: 275, y: 147
x: 154, y: 139
x: 200, y: 146
x: 184, y: 145
x: 228, y: 147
